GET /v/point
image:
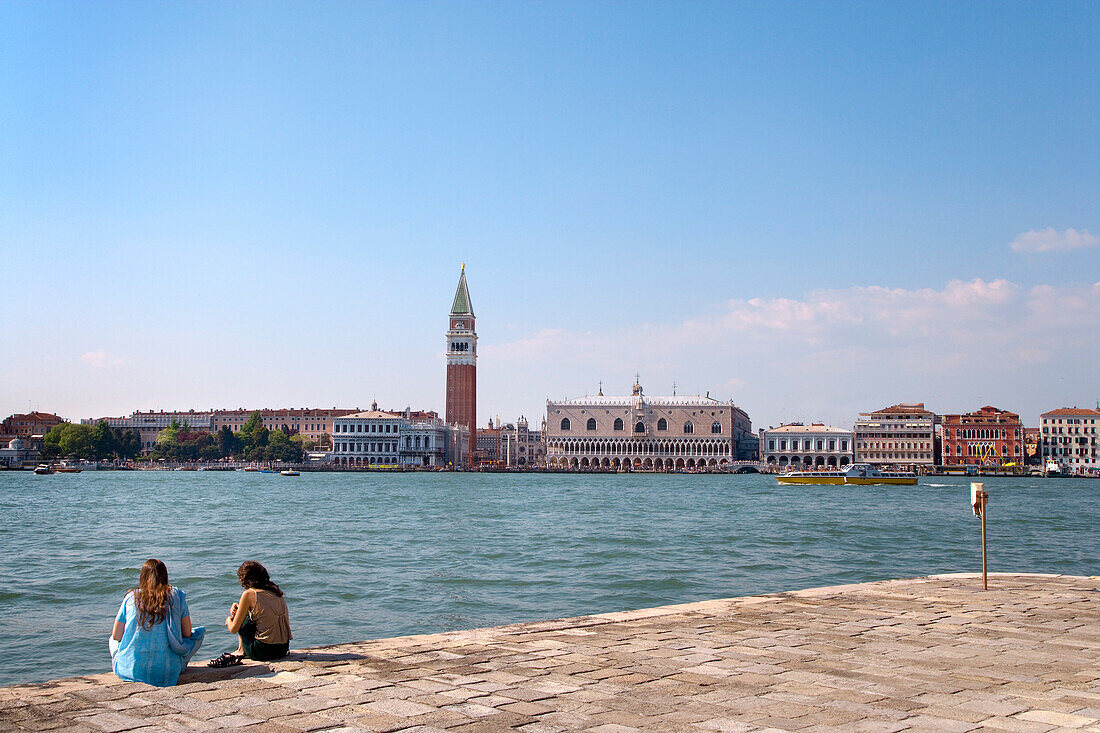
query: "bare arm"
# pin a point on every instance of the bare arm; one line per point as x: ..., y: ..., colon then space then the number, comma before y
x: 185, y: 626
x: 120, y: 629
x: 239, y: 612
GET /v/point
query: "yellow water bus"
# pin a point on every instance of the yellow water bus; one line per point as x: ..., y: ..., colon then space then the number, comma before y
x: 857, y: 473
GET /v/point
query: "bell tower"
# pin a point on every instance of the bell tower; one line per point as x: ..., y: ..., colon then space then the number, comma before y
x: 462, y: 364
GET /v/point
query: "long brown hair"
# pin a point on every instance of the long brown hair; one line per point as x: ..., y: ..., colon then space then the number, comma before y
x: 151, y: 595
x: 254, y: 575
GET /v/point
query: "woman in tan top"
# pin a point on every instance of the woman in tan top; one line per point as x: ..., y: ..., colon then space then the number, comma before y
x: 260, y: 619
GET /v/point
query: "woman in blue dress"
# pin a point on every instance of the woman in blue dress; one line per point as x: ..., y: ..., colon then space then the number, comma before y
x: 152, y: 640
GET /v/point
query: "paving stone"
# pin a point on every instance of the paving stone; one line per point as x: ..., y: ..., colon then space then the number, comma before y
x: 932, y: 654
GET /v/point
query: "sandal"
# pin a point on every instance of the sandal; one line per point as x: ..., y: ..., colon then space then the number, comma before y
x: 226, y: 660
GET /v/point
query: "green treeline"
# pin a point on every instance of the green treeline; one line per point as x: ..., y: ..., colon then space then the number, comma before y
x: 178, y: 442
x: 93, y: 442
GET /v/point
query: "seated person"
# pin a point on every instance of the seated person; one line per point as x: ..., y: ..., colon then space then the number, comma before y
x: 260, y: 619
x: 152, y: 640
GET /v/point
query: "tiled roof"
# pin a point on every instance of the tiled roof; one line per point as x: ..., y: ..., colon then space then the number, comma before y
x: 372, y: 415
x: 628, y: 401
x: 1072, y: 412
x: 801, y: 429
x: 903, y: 407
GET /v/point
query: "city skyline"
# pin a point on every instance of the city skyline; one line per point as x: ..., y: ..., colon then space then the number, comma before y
x: 815, y: 214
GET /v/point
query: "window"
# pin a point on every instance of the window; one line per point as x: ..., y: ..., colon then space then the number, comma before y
x: 662, y: 424
x: 639, y: 427
x: 689, y: 427
x: 716, y: 427
x: 565, y: 423
x: 618, y: 423
x: 591, y: 423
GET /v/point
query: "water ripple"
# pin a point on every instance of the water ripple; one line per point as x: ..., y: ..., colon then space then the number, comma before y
x: 366, y: 555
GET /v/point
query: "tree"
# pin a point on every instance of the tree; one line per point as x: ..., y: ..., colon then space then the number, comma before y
x: 103, y: 440
x: 228, y: 444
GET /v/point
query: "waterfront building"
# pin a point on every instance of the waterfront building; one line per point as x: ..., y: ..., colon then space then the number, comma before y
x: 425, y: 439
x: 462, y: 364
x: 14, y: 451
x: 406, y: 438
x: 312, y: 423
x: 148, y: 425
x: 639, y: 432
x: 988, y: 437
x: 816, y: 445
x: 521, y: 446
x: 26, y: 425
x: 370, y: 438
x: 1070, y: 439
x: 900, y: 435
x: 488, y: 444
x: 315, y: 424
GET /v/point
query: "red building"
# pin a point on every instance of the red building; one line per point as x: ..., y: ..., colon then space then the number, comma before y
x: 31, y: 423
x: 988, y: 437
x: 462, y: 365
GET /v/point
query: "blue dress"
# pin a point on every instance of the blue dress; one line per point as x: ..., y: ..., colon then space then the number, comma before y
x: 155, y: 656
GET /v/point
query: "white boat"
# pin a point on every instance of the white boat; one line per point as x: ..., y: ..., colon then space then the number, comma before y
x: 1052, y: 468
x: 858, y: 473
x: 289, y: 472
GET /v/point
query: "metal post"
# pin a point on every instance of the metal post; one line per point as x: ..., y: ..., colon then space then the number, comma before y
x: 985, y: 583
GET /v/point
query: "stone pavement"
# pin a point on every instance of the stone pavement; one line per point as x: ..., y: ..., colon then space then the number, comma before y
x: 926, y: 654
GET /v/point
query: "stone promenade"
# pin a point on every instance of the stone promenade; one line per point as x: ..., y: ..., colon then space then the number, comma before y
x: 927, y: 654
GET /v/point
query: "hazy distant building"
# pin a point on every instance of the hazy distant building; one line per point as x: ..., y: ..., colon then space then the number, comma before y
x: 14, y: 452
x: 148, y: 425
x: 24, y: 425
x: 1070, y: 439
x: 815, y: 445
x: 988, y: 437
x: 488, y: 444
x: 309, y: 422
x: 642, y: 432
x: 521, y: 446
x: 900, y: 435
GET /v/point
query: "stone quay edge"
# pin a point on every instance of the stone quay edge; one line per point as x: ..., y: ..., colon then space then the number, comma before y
x: 924, y: 654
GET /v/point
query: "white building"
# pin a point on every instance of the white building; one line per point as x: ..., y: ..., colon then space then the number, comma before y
x: 816, y: 445
x: 1068, y: 436
x: 647, y: 433
x: 407, y: 438
x: 900, y: 435
x: 370, y: 438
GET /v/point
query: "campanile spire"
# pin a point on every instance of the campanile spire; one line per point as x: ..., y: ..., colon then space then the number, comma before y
x: 462, y: 364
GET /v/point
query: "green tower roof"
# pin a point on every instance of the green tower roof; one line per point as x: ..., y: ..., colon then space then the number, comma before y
x: 461, y: 306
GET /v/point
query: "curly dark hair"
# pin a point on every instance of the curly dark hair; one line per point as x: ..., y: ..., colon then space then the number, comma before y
x: 254, y: 575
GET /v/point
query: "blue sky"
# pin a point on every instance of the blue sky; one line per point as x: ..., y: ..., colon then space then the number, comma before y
x: 266, y: 204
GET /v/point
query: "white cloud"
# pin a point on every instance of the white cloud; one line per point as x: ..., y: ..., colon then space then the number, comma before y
x: 100, y: 360
x: 834, y: 352
x: 1050, y: 240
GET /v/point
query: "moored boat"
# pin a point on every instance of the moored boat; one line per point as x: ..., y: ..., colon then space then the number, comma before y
x: 857, y: 473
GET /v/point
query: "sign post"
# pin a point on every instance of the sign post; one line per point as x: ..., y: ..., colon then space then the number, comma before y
x: 979, y: 497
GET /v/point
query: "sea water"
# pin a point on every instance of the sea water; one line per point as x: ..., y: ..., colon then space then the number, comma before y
x: 367, y: 555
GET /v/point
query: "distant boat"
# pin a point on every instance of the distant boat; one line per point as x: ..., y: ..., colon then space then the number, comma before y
x: 289, y: 472
x: 250, y: 468
x: 68, y: 469
x: 43, y: 470
x: 857, y: 473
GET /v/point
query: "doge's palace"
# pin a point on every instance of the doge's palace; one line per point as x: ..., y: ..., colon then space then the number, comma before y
x: 643, y: 433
